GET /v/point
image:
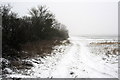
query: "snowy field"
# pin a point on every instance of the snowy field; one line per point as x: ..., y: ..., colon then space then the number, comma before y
x: 83, y: 58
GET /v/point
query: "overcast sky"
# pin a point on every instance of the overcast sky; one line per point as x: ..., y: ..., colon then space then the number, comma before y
x: 95, y: 17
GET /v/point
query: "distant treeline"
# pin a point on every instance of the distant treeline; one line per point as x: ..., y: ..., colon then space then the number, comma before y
x: 40, y: 24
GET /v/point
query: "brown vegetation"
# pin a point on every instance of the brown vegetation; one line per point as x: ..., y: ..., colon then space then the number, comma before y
x: 39, y: 48
x: 109, y: 48
x: 106, y: 43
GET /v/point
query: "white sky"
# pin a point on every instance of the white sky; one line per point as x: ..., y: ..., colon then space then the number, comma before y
x: 95, y: 17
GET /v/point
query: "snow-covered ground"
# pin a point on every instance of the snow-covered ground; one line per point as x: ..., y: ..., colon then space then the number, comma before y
x: 73, y: 61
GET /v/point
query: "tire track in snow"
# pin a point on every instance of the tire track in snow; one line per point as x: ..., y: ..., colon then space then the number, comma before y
x: 67, y: 62
x: 91, y: 64
x: 80, y: 63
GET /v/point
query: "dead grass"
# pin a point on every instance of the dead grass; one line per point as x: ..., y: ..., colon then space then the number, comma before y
x: 109, y: 48
x: 106, y: 43
x: 31, y: 49
x: 21, y: 64
x: 39, y: 48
